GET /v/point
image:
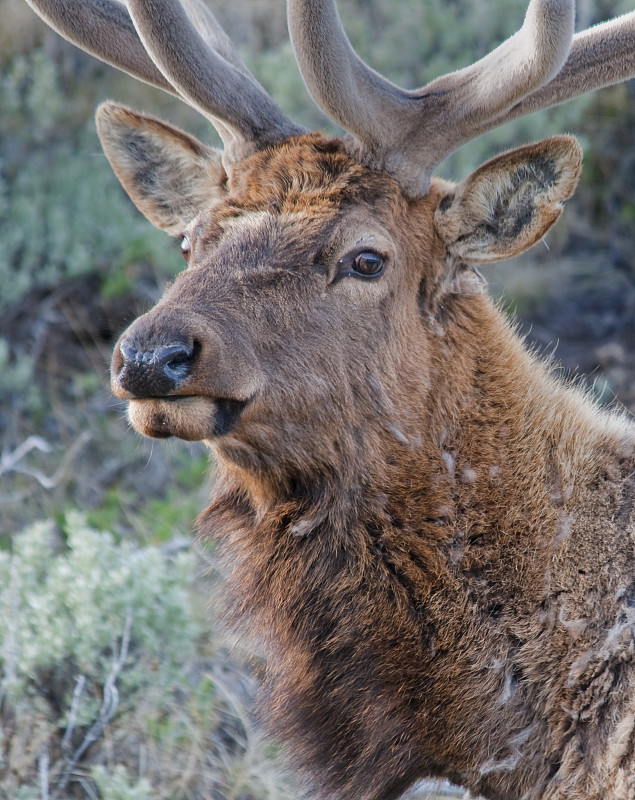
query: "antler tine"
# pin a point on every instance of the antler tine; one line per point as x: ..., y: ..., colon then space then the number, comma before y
x: 188, y: 56
x: 600, y: 56
x: 437, y: 119
x: 104, y: 29
x: 211, y: 31
x: 218, y: 89
x: 219, y: 42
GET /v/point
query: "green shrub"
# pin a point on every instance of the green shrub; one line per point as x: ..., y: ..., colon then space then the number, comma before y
x: 62, y: 212
x: 78, y: 604
x: 104, y: 682
x: 117, y: 785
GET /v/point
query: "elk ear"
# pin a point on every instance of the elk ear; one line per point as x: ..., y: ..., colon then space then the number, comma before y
x: 510, y: 202
x: 169, y: 175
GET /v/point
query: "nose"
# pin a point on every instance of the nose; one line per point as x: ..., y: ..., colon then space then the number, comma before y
x: 143, y: 370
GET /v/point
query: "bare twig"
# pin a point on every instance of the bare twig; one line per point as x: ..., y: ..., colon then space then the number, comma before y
x: 88, y: 788
x: 10, y: 461
x: 108, y: 707
x: 72, y: 717
x: 43, y: 770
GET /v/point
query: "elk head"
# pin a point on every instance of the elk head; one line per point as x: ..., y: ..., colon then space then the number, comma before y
x: 310, y: 278
x: 314, y: 265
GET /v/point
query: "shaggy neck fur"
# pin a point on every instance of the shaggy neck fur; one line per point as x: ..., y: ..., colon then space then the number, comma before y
x: 412, y: 615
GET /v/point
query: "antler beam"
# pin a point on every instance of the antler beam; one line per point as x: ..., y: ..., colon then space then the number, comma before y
x: 437, y: 119
x: 220, y: 90
x: 183, y: 51
x: 408, y: 133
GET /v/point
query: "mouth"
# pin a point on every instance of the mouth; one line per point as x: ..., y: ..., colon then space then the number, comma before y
x: 189, y: 417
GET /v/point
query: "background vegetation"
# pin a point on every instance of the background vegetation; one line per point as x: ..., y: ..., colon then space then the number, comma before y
x: 116, y: 681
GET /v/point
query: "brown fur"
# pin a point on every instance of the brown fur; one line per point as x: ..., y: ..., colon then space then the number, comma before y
x: 428, y: 534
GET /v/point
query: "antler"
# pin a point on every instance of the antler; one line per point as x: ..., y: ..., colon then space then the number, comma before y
x: 183, y: 51
x: 600, y: 56
x: 408, y: 133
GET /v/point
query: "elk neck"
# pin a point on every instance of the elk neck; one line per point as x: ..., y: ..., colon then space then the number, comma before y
x: 345, y: 578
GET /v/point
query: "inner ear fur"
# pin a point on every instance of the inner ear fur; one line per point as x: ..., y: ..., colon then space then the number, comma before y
x: 169, y: 175
x: 510, y: 202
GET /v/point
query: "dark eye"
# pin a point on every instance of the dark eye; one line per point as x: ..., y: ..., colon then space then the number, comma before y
x: 186, y: 248
x: 364, y: 264
x: 368, y: 263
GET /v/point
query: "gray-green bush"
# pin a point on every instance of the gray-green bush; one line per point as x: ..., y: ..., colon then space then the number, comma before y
x: 101, y: 685
x: 62, y: 212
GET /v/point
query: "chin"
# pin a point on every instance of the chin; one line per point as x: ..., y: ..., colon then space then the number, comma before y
x: 191, y: 418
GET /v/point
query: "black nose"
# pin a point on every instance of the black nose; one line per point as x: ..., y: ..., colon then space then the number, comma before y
x: 156, y: 372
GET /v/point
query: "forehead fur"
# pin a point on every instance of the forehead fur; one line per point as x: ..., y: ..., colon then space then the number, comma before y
x: 307, y: 173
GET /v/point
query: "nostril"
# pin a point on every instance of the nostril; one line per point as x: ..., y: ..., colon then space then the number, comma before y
x: 176, y: 360
x: 154, y: 372
x: 128, y: 352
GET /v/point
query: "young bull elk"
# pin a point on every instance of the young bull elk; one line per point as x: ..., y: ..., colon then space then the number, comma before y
x: 432, y: 537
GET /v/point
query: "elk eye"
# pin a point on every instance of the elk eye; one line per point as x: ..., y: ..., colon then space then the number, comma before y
x: 186, y: 248
x: 361, y: 264
x: 368, y: 264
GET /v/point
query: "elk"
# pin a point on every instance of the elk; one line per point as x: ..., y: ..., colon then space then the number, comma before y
x: 430, y: 535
